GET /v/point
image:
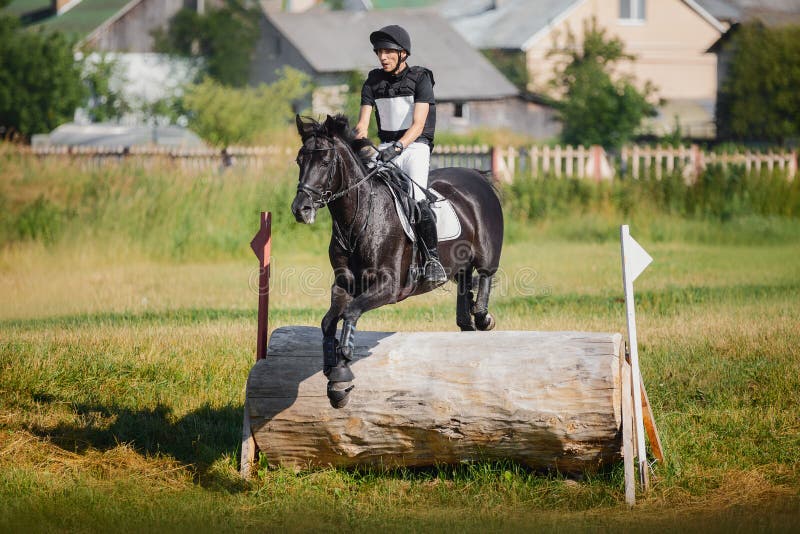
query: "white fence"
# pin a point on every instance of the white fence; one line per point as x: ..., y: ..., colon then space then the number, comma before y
x: 504, y: 162
x: 634, y: 161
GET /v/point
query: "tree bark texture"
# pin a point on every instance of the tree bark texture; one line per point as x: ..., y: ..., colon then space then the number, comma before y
x: 550, y: 400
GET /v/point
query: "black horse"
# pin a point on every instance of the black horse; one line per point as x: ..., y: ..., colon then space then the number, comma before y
x: 371, y: 256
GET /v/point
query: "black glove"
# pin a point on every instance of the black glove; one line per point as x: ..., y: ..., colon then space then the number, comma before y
x: 391, y: 152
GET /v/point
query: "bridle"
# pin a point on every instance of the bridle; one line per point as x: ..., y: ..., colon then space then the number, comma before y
x: 320, y: 199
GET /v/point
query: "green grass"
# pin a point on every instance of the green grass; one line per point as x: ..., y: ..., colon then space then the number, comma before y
x: 124, y: 350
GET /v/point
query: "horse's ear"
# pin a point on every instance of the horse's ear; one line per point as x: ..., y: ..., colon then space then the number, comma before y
x: 336, y: 125
x: 330, y: 125
x: 301, y: 126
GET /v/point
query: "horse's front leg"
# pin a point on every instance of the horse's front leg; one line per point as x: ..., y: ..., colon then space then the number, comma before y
x: 379, y: 290
x: 335, y: 366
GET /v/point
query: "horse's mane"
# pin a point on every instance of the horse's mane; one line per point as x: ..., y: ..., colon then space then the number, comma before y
x: 334, y: 126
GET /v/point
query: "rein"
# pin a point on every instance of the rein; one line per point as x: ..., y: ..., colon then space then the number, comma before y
x: 326, y: 197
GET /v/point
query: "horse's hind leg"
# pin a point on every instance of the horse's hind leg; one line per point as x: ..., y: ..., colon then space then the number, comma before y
x: 480, y: 310
x: 464, y: 301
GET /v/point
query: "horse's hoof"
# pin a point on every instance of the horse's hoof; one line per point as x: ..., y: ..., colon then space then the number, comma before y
x: 485, y: 323
x: 339, y: 394
x: 340, y: 373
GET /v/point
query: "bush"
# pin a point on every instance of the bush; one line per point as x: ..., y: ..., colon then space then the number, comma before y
x: 225, y: 115
x: 718, y: 194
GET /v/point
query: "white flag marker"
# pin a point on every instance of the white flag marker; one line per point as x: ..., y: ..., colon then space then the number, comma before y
x: 634, y: 260
x: 635, y: 256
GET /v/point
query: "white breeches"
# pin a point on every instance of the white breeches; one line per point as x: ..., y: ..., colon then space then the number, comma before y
x: 415, y: 161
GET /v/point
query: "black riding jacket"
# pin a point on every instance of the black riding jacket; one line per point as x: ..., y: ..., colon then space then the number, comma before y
x: 393, y: 98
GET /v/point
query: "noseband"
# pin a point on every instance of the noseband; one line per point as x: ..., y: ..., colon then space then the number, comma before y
x: 320, y: 199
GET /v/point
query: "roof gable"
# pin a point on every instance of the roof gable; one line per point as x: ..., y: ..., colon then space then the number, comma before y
x: 84, y: 17
x: 517, y: 24
x: 338, y: 41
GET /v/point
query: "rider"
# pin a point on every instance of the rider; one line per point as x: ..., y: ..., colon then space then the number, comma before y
x: 402, y: 96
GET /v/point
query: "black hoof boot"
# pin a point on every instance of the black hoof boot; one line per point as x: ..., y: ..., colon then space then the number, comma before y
x: 485, y: 322
x: 339, y: 394
x: 337, y: 368
x: 467, y: 326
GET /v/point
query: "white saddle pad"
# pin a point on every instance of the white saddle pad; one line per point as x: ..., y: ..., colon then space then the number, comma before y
x: 447, y: 224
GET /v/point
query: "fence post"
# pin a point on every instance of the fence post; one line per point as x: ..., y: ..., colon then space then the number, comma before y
x: 557, y: 161
x: 568, y: 169
x: 792, y: 166
x: 697, y: 163
x: 597, y: 166
x: 534, y: 157
x: 500, y: 168
x: 546, y: 160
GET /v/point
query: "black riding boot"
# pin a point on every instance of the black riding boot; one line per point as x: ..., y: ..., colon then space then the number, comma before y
x: 434, y: 272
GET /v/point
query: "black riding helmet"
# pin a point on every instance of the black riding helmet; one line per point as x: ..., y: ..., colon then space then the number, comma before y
x: 391, y: 37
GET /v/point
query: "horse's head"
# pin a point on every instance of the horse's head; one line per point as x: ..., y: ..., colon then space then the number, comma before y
x: 317, y: 159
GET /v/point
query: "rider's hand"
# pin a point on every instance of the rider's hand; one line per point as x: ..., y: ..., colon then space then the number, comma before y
x: 391, y: 151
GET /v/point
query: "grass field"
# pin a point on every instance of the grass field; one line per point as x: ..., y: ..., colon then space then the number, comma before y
x: 123, y: 362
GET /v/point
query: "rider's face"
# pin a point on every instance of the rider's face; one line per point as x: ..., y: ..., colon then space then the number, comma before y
x: 389, y: 58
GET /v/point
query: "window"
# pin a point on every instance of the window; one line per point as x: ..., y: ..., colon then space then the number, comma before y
x: 631, y: 10
x: 460, y: 110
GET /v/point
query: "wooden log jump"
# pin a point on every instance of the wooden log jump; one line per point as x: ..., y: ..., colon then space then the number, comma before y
x: 549, y: 400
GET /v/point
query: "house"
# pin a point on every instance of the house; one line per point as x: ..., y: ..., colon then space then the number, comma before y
x: 331, y: 45
x: 107, y: 25
x: 769, y: 12
x: 772, y: 13
x: 670, y: 39
x: 328, y: 45
x: 119, y: 31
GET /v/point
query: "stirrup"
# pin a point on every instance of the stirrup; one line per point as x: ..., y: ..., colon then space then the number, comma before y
x: 434, y: 272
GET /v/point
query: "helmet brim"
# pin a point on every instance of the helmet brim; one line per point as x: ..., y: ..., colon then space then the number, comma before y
x: 387, y: 45
x: 381, y: 39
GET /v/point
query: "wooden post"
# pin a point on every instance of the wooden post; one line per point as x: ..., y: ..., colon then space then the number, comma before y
x: 500, y: 169
x: 650, y: 425
x: 597, y: 164
x: 545, y: 160
x: 261, y: 245
x: 557, y: 161
x: 627, y: 433
x: 534, y: 156
x: 569, y: 161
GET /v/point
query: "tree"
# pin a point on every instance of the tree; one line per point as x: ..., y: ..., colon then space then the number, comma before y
x: 225, y: 38
x: 594, y: 108
x: 106, y: 100
x: 513, y: 65
x: 40, y: 81
x: 759, y: 98
x: 226, y: 115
